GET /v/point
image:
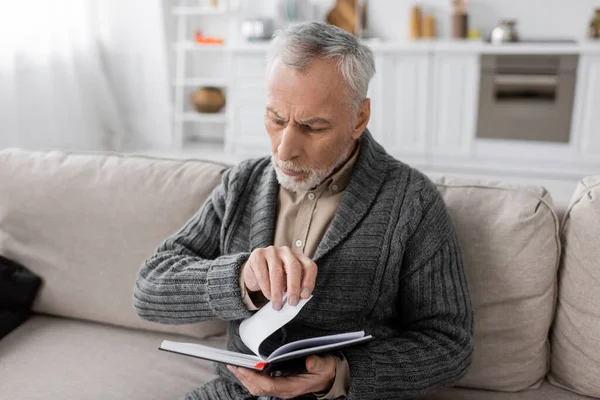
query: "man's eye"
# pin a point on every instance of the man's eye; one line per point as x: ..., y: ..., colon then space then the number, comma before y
x: 308, y: 128
x: 279, y: 122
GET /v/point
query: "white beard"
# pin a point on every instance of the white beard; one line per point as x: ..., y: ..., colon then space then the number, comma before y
x: 315, y: 176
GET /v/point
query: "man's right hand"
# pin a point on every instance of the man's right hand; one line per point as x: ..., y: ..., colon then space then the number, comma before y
x: 275, y: 270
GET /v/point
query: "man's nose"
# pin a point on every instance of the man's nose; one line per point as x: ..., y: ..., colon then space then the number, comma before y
x: 290, y: 145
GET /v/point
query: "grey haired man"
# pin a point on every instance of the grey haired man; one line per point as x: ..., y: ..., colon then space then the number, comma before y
x: 331, y: 214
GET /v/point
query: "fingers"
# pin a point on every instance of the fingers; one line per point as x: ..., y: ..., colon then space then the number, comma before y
x: 260, y: 269
x: 248, y: 276
x: 276, y: 270
x: 282, y: 387
x: 324, y: 368
x: 294, y: 272
x: 277, y: 279
x: 309, y: 276
x: 257, y: 384
x: 315, y: 364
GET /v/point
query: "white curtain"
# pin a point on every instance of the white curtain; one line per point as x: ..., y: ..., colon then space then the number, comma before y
x: 54, y: 88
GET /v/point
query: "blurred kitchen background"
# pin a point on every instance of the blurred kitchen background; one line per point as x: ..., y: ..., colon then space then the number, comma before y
x: 507, y: 89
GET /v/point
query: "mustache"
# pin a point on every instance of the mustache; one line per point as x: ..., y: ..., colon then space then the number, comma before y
x: 292, y: 166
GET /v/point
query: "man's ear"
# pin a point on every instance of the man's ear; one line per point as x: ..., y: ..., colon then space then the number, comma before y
x: 362, y: 118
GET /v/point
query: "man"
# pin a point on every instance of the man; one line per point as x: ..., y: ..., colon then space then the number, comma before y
x: 329, y: 214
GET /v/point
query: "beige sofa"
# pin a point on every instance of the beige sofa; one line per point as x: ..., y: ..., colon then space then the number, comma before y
x: 85, y: 223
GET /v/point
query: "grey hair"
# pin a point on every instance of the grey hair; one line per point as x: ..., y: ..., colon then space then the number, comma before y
x: 297, y: 45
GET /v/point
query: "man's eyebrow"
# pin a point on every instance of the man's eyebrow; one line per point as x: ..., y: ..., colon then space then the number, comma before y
x: 315, y: 121
x: 310, y: 121
x: 274, y: 112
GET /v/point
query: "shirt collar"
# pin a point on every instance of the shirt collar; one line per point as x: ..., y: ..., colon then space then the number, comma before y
x: 338, y: 181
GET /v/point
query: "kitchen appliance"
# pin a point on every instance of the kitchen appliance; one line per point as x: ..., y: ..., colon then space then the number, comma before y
x: 505, y: 32
x: 527, y: 96
x: 257, y: 29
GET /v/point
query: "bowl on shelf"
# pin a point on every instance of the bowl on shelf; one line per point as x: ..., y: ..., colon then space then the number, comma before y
x: 208, y: 100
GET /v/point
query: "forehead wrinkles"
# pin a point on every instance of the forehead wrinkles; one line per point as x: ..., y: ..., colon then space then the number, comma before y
x: 320, y: 83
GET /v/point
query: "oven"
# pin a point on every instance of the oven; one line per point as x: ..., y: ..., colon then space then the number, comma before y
x: 527, y: 97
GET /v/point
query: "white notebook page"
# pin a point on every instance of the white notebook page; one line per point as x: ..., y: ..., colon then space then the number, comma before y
x: 254, y: 330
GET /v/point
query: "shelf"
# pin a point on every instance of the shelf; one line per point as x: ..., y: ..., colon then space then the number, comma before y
x: 215, y: 82
x: 199, y: 11
x: 217, y: 118
x: 189, y: 45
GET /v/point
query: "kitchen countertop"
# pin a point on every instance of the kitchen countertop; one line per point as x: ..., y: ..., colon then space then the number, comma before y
x: 454, y: 46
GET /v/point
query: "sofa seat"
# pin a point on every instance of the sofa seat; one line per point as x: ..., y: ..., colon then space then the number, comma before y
x: 59, y: 358
x: 544, y: 392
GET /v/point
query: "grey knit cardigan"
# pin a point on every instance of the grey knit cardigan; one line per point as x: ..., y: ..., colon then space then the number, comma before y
x: 389, y: 264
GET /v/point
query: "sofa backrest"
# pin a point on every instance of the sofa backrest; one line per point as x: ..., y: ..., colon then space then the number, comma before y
x: 86, y: 222
x: 576, y: 331
x: 509, y: 239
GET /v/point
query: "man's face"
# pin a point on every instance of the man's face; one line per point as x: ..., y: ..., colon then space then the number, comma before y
x: 311, y: 127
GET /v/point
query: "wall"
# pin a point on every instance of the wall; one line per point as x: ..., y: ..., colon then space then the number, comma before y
x: 535, y: 18
x: 388, y: 19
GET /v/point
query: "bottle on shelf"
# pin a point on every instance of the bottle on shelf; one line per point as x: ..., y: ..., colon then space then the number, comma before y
x: 594, y: 28
x: 429, y: 27
x: 416, y: 21
x: 460, y: 19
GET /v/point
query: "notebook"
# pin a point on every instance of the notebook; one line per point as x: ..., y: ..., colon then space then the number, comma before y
x: 256, y: 329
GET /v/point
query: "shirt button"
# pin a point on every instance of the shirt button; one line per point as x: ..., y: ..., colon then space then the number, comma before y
x: 311, y: 196
x: 335, y: 188
x: 298, y: 243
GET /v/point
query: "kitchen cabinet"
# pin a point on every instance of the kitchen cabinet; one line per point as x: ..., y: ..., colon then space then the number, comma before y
x: 424, y: 106
x: 376, y: 94
x: 247, y: 135
x: 586, y: 122
x: 248, y: 109
x: 455, y: 80
x: 400, y: 109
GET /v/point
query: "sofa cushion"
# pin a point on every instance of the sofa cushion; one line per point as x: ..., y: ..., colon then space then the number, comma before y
x: 59, y: 358
x: 545, y: 392
x: 509, y: 239
x: 86, y: 222
x: 575, y: 336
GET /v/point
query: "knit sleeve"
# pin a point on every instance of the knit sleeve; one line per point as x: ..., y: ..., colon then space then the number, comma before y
x: 434, y: 343
x: 187, y: 280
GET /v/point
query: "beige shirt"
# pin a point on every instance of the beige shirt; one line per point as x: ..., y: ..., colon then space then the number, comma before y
x: 302, y: 220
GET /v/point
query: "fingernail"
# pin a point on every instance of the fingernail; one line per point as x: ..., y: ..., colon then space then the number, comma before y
x: 277, y: 306
x: 305, y: 294
x: 232, y: 369
x: 293, y: 300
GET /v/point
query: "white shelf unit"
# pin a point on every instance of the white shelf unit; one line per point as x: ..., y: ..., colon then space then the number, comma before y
x: 191, y: 46
x: 199, y: 10
x: 192, y: 15
x: 219, y: 82
x: 216, y: 118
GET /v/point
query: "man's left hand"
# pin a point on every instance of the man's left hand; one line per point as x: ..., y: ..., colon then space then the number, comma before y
x: 318, y: 378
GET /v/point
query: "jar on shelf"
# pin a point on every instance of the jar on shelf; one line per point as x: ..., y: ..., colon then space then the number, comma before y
x: 208, y: 100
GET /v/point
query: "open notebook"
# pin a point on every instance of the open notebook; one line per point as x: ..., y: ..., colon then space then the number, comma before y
x: 254, y: 330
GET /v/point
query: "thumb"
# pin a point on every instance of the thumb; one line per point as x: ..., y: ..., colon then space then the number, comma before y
x: 314, y: 363
x: 248, y: 277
